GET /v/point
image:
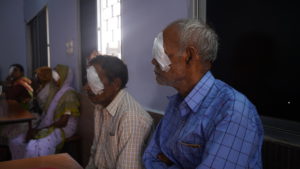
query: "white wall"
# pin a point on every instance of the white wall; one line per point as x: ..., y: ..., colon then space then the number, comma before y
x: 141, y: 21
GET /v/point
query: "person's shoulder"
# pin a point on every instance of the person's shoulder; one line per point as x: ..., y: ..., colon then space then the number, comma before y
x: 130, y: 103
x: 229, y: 92
x: 232, y: 97
x: 70, y: 95
x: 133, y: 108
x: 72, y: 92
x: 236, y: 104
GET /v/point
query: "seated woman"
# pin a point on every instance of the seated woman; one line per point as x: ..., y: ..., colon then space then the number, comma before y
x: 41, y: 84
x: 58, y: 123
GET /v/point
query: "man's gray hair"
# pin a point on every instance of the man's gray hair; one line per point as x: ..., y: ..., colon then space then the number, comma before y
x: 198, y: 34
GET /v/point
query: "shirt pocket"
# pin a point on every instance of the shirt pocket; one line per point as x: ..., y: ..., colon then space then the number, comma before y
x: 191, y: 147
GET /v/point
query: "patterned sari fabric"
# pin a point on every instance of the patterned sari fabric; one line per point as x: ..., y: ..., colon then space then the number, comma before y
x: 61, y: 100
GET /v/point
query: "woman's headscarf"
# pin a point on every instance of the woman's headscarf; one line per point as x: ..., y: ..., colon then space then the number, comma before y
x: 65, y: 80
x: 66, y: 75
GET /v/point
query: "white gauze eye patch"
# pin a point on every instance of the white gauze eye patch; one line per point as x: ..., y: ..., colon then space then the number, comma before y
x: 94, y: 81
x: 159, y: 53
x: 55, y: 75
x: 11, y: 70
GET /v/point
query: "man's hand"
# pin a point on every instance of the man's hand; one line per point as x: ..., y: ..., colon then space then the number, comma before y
x: 164, y: 159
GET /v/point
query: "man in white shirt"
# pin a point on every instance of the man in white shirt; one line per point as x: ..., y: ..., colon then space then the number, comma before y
x: 121, y: 125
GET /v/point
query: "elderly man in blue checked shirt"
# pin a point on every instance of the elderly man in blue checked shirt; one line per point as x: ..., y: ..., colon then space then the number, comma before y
x: 207, y: 124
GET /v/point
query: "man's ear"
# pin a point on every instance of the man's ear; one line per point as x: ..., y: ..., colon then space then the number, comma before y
x: 191, y: 54
x: 117, y: 83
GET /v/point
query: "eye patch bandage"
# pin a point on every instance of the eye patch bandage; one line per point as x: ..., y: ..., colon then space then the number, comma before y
x: 55, y: 75
x: 11, y: 70
x: 159, y: 54
x: 94, y: 81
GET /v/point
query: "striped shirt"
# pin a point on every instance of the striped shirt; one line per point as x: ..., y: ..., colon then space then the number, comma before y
x: 213, y: 127
x: 121, y: 132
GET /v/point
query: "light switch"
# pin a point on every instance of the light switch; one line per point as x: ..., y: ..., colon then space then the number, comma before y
x: 70, y: 47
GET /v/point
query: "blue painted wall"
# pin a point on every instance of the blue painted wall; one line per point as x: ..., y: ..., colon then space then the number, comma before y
x: 63, y: 27
x: 142, y: 20
x: 12, y: 35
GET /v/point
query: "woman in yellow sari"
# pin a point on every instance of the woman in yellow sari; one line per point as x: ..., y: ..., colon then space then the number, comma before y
x: 58, y: 122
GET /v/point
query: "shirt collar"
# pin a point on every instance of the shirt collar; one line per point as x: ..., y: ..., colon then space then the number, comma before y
x: 112, y: 107
x: 195, y: 98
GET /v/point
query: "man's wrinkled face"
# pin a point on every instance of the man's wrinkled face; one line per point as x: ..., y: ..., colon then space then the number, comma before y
x: 172, y: 50
x: 106, y: 95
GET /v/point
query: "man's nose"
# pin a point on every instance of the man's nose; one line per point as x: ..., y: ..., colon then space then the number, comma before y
x: 154, y: 62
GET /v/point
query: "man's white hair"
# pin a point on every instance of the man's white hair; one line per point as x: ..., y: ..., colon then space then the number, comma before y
x: 199, y: 35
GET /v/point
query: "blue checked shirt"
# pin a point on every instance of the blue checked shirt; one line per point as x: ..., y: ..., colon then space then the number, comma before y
x: 215, y: 126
